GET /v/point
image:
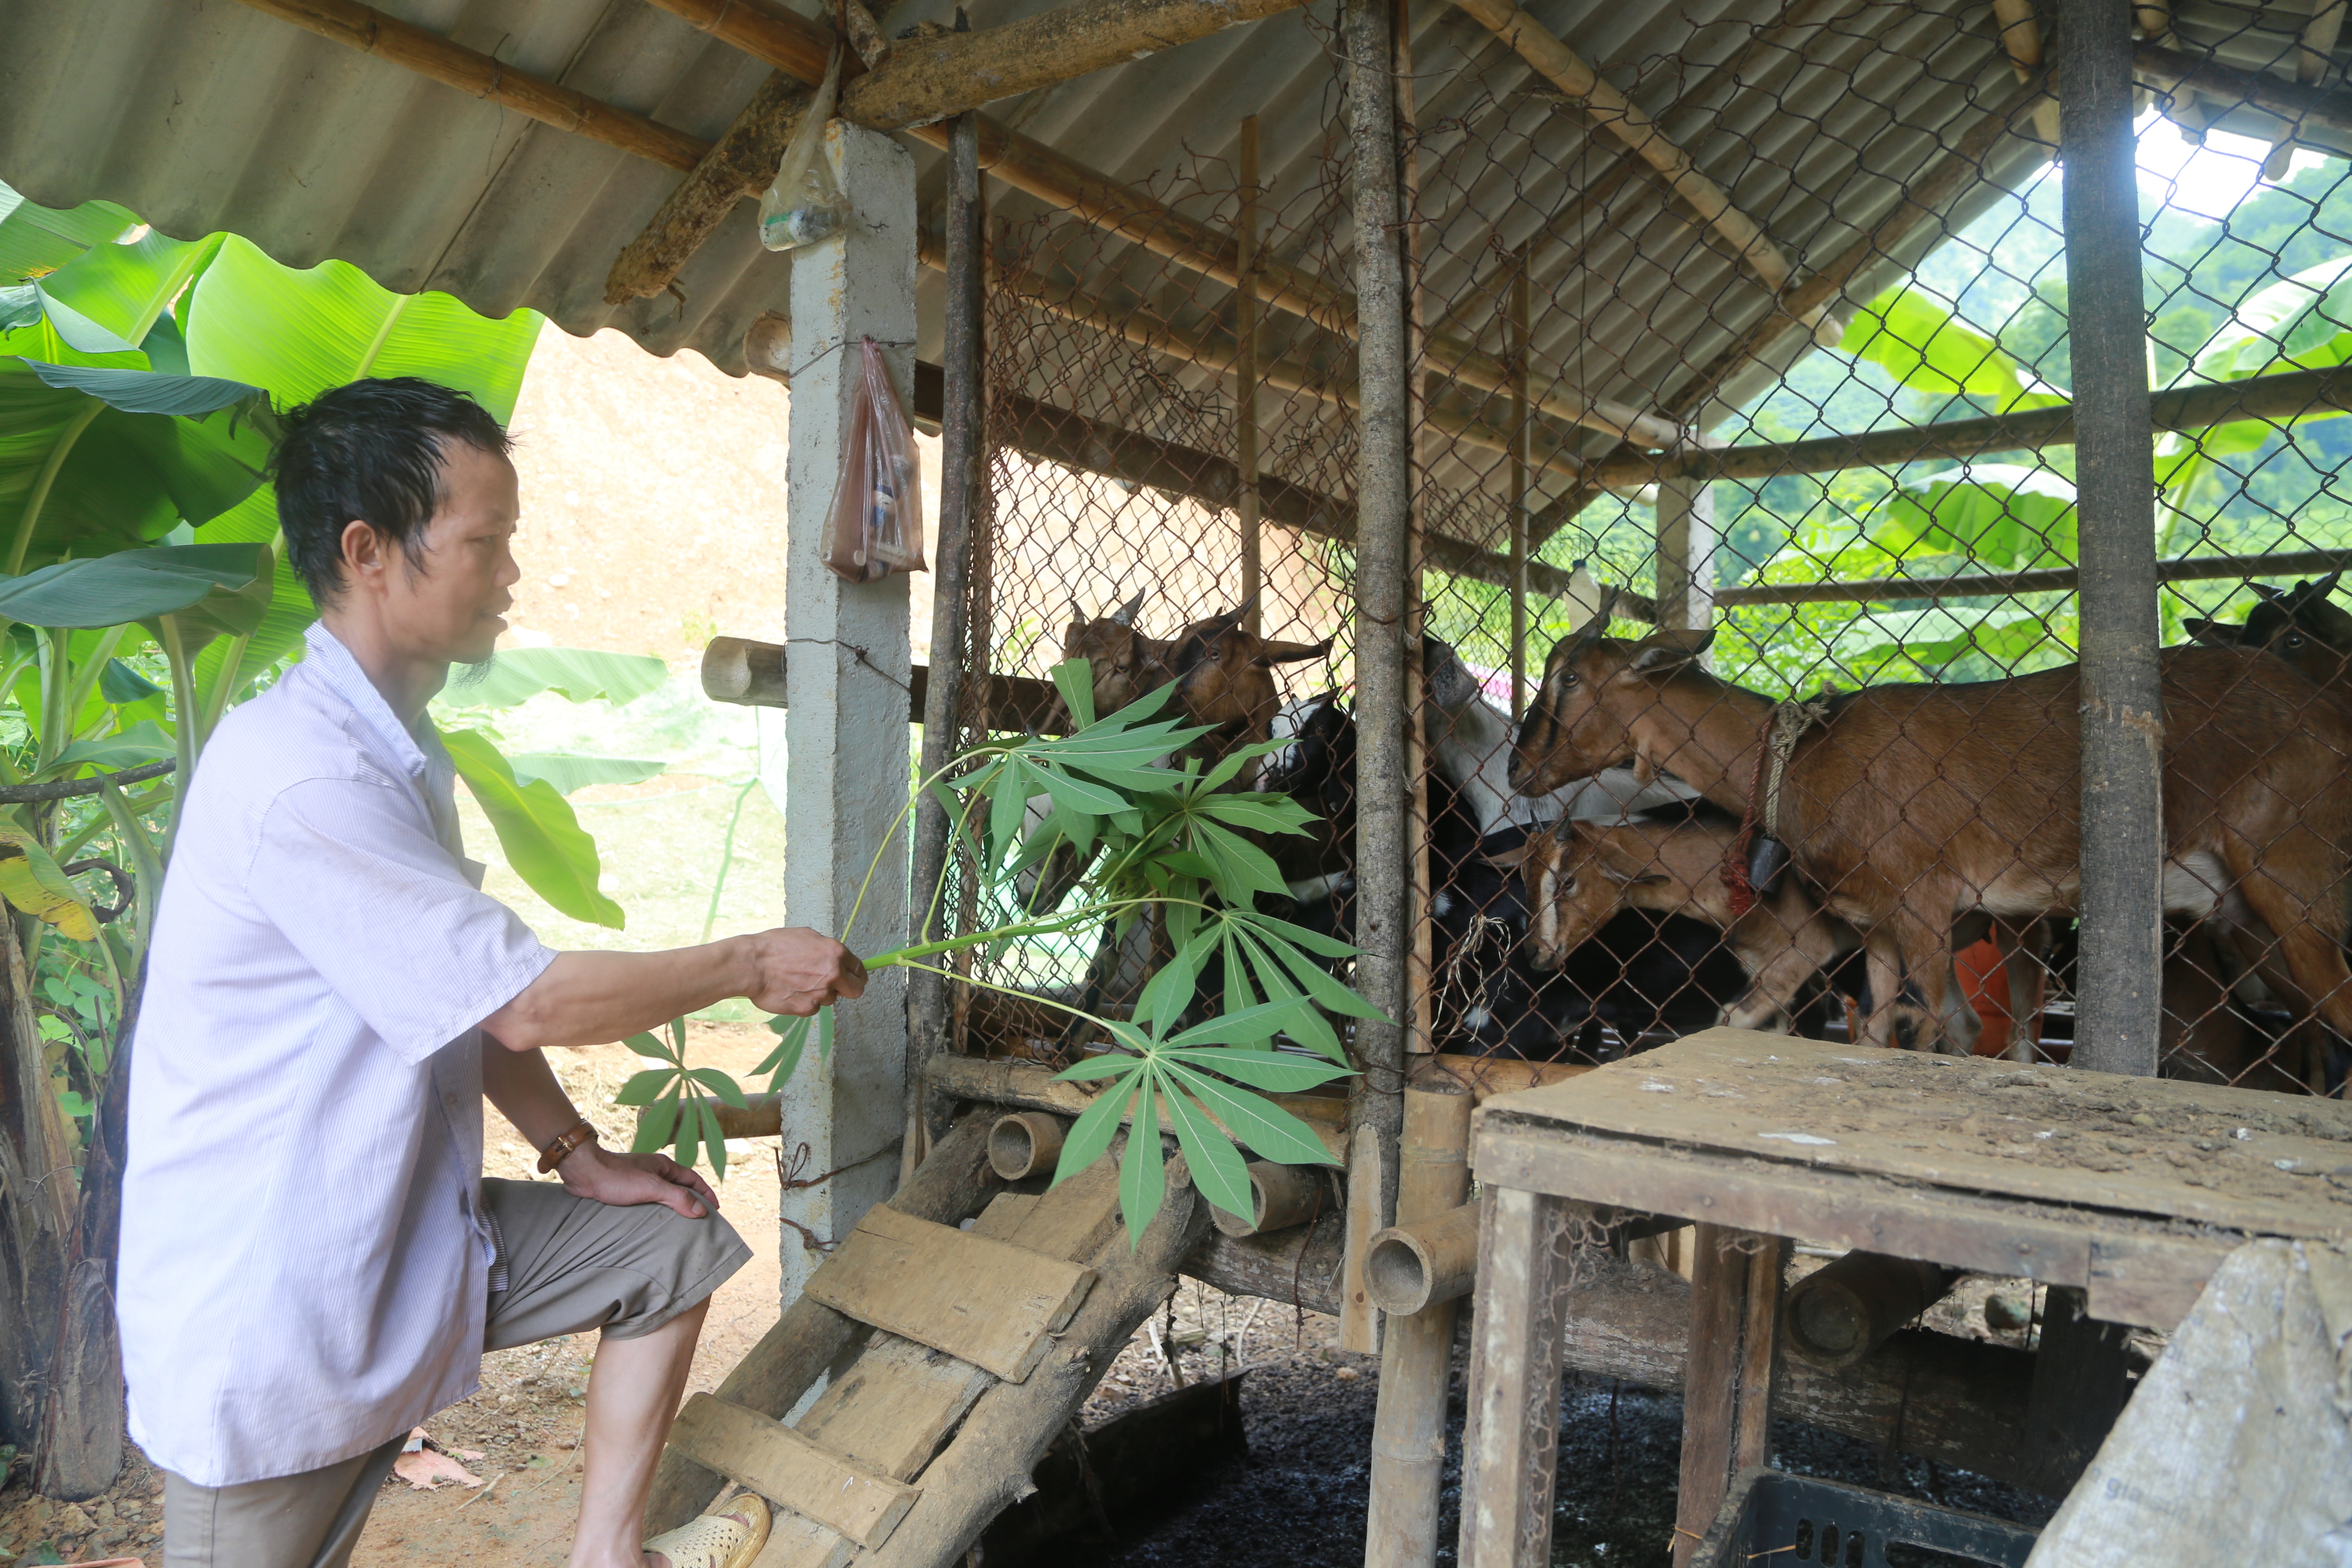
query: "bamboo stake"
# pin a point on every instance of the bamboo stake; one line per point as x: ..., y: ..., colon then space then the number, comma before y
x: 1245, y: 383
x: 1518, y: 321
x: 1417, y: 1351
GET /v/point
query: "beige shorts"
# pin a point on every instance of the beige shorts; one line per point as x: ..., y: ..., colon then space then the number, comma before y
x: 572, y: 1265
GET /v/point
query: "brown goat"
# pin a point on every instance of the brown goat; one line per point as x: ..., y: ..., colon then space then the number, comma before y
x: 1581, y: 874
x: 1911, y: 806
x: 1127, y: 664
x: 1224, y: 679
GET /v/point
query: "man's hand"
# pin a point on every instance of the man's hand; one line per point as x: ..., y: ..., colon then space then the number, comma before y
x: 621, y: 1180
x: 796, y: 970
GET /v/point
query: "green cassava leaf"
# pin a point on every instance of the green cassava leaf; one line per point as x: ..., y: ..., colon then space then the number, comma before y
x: 1275, y: 1072
x: 655, y: 1127
x: 727, y: 1090
x: 1143, y: 1173
x: 1216, y: 1165
x: 645, y: 1088
x: 714, y: 1142
x: 792, y: 1038
x: 1268, y: 1130
x: 1074, y: 680
x: 1094, y: 1130
x: 647, y: 1045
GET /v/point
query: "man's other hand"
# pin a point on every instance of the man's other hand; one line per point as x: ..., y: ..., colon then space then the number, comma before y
x: 796, y: 970
x: 621, y: 1180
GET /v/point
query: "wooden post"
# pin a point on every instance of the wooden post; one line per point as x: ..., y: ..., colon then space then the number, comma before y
x: 1517, y: 354
x: 1383, y: 524
x: 1245, y: 384
x: 1512, y: 1435
x: 1420, y: 986
x: 961, y: 471
x: 848, y: 680
x: 1686, y: 554
x: 1417, y: 1349
x: 1728, y: 1391
x: 2119, y: 1006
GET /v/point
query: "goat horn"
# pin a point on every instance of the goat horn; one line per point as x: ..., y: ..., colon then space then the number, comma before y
x: 1125, y: 615
x: 2326, y: 584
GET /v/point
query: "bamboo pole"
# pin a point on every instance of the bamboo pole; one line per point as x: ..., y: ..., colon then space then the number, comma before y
x: 1625, y: 119
x: 2219, y: 83
x: 1245, y: 384
x: 1518, y: 321
x: 961, y: 471
x: 1417, y: 1351
x: 2050, y: 580
x: 1382, y: 526
x: 371, y: 32
x: 2295, y: 395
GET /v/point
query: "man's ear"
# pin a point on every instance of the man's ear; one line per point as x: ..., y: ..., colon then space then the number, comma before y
x: 364, y: 548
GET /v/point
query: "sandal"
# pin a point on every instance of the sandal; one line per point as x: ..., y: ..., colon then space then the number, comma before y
x: 729, y: 1540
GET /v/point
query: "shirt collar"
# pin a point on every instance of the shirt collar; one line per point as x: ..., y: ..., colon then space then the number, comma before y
x: 333, y: 663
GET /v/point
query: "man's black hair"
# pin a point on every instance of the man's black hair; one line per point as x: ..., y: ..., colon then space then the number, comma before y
x: 372, y: 451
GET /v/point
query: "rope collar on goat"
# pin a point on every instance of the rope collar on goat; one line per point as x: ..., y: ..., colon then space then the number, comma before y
x: 1776, y: 743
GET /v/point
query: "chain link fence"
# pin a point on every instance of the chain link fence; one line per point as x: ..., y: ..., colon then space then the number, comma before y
x: 1744, y: 495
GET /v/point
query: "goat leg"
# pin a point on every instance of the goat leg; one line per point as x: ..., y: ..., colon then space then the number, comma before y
x: 2022, y: 944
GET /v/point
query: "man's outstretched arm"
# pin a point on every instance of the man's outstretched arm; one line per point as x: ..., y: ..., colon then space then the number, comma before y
x: 593, y: 998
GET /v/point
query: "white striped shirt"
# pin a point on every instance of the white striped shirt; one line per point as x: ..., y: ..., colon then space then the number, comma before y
x: 304, y: 1268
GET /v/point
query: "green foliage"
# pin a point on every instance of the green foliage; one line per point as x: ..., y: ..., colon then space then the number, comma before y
x: 583, y: 675
x: 542, y: 839
x: 1915, y: 333
x: 678, y: 1101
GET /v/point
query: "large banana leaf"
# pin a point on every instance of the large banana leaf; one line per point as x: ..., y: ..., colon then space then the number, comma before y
x: 571, y: 772
x: 209, y: 581
x: 582, y: 674
x: 95, y: 460
x: 2001, y: 516
x: 543, y: 840
x: 35, y: 240
x: 302, y: 332
x: 1915, y: 334
x: 124, y: 290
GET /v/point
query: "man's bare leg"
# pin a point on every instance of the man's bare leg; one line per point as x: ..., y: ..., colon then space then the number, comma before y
x: 632, y: 1393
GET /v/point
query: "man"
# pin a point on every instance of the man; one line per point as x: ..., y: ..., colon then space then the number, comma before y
x: 311, y: 1262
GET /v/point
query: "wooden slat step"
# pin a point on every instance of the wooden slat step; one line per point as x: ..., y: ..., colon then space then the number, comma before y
x: 895, y: 1405
x: 795, y: 1540
x: 991, y: 1303
x: 1067, y: 1221
x: 784, y: 1466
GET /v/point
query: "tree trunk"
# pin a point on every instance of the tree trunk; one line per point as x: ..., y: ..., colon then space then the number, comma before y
x: 36, y: 1206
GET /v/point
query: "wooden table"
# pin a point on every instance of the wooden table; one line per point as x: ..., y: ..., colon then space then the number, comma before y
x: 2130, y: 1191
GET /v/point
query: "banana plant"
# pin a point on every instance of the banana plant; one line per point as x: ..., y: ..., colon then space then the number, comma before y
x: 1162, y: 840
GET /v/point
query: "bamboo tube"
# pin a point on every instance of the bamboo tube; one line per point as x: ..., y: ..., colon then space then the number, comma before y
x: 1835, y: 1316
x: 1280, y: 1197
x: 1417, y: 1349
x: 1245, y: 385
x: 1415, y: 1267
x: 1026, y: 1143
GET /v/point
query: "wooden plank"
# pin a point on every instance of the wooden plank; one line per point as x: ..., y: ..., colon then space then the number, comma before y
x: 989, y: 1303
x: 1072, y: 1218
x: 2082, y: 1381
x: 1004, y: 1216
x: 784, y: 1466
x: 2199, y: 1152
x: 1727, y: 1391
x: 1513, y: 1428
x: 893, y: 1406
x: 797, y: 1542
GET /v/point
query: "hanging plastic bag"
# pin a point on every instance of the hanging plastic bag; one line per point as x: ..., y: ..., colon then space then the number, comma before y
x: 875, y: 526
x: 805, y: 203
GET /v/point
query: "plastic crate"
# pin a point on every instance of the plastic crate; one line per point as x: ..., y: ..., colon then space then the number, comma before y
x: 1774, y: 1520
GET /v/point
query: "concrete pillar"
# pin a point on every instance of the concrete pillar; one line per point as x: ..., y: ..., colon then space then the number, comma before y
x: 1687, y: 542
x: 846, y: 679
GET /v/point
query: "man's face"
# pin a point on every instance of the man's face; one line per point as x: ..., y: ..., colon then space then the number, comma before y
x: 448, y: 600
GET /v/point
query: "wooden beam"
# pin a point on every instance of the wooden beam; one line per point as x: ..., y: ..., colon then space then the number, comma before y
x: 370, y: 31
x: 928, y: 80
x: 1623, y: 118
x: 2220, y: 84
x: 742, y: 165
x: 2294, y: 395
x: 2051, y: 580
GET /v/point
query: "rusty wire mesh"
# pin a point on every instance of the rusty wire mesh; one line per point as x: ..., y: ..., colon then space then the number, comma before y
x: 1627, y: 413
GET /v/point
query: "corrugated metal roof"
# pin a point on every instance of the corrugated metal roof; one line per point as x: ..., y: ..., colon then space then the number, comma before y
x: 204, y: 114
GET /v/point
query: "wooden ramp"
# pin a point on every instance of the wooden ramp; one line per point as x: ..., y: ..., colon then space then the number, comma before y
x: 956, y: 1355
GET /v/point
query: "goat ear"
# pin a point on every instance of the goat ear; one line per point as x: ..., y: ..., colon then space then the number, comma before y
x: 1512, y: 858
x: 1631, y: 878
x: 1125, y: 615
x: 2326, y: 585
x: 2212, y: 634
x: 1670, y: 651
x: 2267, y: 594
x: 1293, y: 652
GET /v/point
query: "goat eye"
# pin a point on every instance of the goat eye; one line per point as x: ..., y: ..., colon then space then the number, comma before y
x: 2294, y: 640
x: 1568, y: 677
